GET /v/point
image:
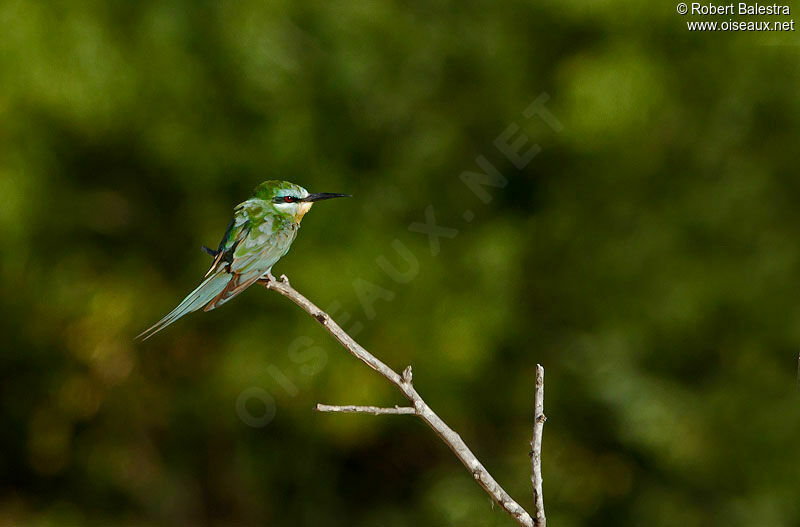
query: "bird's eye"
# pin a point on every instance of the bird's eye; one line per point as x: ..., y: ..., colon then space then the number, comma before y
x: 288, y: 199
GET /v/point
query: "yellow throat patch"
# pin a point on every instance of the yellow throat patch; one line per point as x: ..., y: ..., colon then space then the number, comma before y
x: 302, y: 209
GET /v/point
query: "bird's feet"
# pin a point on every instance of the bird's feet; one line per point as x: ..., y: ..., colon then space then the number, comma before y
x: 270, y: 278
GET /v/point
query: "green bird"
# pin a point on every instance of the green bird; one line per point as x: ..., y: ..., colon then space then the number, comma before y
x: 261, y: 233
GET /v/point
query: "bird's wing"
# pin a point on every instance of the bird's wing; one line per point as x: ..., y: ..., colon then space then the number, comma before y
x: 253, y: 242
x: 235, y: 234
x: 258, y: 244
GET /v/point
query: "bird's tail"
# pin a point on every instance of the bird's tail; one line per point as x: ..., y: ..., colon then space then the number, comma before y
x: 210, y: 288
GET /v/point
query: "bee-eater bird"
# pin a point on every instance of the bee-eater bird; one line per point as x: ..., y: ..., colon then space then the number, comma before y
x: 261, y: 232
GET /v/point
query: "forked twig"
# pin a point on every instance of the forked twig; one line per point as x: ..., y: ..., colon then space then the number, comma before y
x: 374, y: 410
x: 420, y: 408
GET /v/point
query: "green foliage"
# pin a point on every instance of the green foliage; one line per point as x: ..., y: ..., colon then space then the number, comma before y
x: 648, y: 257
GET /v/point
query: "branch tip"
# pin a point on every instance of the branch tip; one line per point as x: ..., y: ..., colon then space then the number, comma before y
x: 536, y: 445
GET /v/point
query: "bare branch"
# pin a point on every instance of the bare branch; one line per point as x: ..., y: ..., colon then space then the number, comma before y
x: 374, y: 410
x: 404, y: 384
x: 536, y: 448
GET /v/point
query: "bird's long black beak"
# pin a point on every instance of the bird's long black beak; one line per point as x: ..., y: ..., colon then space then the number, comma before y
x: 324, y: 195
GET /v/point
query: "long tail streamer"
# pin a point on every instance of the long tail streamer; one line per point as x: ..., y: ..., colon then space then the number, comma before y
x: 205, y: 292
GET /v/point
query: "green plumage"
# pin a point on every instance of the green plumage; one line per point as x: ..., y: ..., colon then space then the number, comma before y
x: 261, y: 233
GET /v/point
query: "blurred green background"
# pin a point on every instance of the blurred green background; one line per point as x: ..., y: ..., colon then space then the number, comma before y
x: 648, y: 257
